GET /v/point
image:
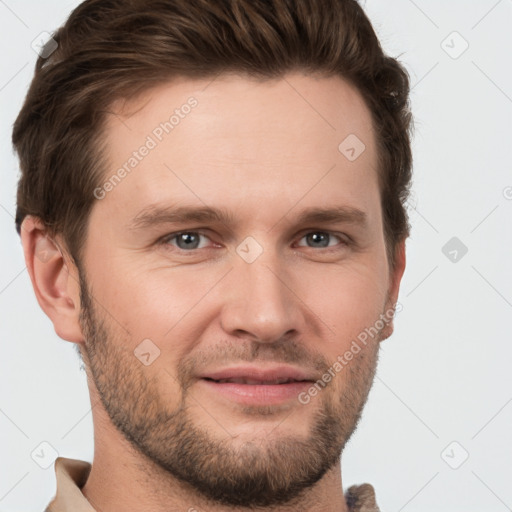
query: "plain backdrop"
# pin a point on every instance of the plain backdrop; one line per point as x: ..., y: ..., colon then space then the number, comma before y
x: 436, y: 432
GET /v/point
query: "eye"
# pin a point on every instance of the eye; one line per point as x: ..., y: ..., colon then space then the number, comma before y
x: 186, y: 240
x: 322, y: 239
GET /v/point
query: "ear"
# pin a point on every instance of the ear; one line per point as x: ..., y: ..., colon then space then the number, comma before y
x: 54, y: 279
x: 395, y: 278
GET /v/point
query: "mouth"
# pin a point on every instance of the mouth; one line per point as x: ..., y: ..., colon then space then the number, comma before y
x: 257, y: 386
x: 255, y: 382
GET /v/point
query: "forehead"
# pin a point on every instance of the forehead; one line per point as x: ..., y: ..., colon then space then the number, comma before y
x: 219, y: 140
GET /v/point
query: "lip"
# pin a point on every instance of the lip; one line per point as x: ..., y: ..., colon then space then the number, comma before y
x: 257, y: 393
x: 263, y: 374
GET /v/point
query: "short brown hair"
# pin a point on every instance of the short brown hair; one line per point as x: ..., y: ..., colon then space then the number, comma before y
x: 115, y: 49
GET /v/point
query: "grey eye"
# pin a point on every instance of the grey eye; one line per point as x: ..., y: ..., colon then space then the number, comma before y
x: 187, y: 240
x: 321, y: 239
x: 318, y: 239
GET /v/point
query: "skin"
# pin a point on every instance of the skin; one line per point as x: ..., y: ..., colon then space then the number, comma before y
x: 264, y: 153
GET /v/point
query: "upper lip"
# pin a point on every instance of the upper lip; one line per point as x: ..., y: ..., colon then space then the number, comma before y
x: 258, y: 373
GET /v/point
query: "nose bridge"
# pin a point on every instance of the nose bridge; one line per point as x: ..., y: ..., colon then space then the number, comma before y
x: 259, y: 301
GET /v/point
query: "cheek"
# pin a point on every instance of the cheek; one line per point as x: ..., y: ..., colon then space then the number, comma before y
x: 347, y: 299
x: 161, y: 304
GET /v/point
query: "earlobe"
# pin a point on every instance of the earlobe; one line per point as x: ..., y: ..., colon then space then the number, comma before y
x: 54, y: 279
x: 396, y: 274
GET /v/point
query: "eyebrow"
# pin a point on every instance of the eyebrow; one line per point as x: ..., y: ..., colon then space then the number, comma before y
x: 155, y: 215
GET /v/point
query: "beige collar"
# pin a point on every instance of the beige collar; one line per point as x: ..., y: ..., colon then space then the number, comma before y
x: 71, y: 476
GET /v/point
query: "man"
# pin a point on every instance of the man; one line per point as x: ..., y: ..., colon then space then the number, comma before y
x: 212, y: 209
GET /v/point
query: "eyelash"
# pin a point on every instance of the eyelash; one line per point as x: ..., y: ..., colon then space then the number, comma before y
x: 165, y: 241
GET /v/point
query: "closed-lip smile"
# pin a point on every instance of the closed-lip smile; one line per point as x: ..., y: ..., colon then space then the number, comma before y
x: 258, y: 385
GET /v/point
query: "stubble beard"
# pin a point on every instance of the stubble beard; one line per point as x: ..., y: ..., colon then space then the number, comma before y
x: 275, y: 472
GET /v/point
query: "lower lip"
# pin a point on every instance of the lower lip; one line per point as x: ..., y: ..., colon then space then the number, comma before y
x: 257, y: 394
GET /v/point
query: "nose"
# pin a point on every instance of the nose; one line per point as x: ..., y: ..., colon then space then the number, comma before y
x: 259, y: 302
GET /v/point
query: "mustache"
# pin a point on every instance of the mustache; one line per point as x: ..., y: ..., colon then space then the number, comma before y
x: 231, y: 352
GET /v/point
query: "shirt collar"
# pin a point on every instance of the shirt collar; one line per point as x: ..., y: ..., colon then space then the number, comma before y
x: 71, y: 476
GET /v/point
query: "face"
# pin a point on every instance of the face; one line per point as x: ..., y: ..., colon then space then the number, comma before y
x: 227, y: 274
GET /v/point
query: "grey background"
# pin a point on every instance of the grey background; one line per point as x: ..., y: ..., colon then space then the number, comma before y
x: 443, y: 391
